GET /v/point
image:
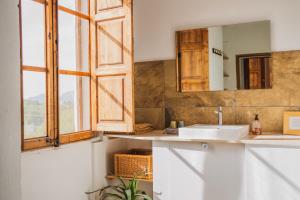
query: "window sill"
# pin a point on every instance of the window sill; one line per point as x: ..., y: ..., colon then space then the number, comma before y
x: 41, y: 143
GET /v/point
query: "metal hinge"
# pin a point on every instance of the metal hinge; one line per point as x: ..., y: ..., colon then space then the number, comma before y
x: 179, y: 54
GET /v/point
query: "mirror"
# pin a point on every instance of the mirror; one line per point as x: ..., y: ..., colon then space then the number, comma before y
x: 231, y: 57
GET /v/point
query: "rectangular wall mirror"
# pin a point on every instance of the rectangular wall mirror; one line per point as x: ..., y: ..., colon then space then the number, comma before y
x: 231, y: 57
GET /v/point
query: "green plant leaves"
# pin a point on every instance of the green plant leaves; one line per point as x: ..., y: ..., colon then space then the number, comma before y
x: 142, y: 197
x: 111, y: 196
x: 128, y: 194
x: 122, y: 191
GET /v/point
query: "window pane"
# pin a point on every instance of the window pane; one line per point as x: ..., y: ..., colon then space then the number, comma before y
x: 73, y: 42
x: 34, y: 94
x: 74, y: 103
x: 77, y: 5
x: 33, y: 33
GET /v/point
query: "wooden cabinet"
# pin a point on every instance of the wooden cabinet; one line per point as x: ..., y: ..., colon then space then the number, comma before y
x: 192, y: 60
x: 112, y: 65
x: 184, y: 170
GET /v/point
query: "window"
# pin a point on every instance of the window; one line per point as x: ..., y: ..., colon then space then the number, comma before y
x: 76, y: 69
x: 56, y: 72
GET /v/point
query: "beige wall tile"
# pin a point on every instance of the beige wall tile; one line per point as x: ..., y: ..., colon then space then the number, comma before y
x: 199, y: 115
x: 170, y: 79
x: 149, y: 84
x: 271, y: 117
x: 154, y: 116
x: 291, y: 84
x: 239, y: 106
x: 201, y: 99
x: 286, y: 62
x: 267, y: 97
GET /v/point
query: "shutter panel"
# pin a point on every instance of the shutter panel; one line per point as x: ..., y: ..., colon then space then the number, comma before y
x: 112, y: 61
x: 194, y: 65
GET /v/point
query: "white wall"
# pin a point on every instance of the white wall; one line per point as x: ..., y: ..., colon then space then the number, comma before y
x: 156, y: 22
x: 71, y: 170
x: 68, y: 172
x: 10, y: 119
x: 215, y: 40
x: 272, y: 172
x: 60, y: 174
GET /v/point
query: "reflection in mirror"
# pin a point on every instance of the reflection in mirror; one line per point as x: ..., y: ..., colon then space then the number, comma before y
x: 227, y: 57
x: 253, y: 71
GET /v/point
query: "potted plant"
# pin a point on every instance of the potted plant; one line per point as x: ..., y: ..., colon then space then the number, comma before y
x: 121, y: 191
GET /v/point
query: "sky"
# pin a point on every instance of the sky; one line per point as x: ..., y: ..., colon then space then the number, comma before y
x: 33, y: 45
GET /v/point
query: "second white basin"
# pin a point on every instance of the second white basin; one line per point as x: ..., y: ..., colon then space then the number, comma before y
x: 214, y: 132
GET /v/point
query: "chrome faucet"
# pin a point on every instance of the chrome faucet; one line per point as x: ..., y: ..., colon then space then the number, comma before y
x: 219, y: 112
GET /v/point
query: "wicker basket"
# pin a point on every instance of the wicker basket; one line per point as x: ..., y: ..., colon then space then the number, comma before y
x: 134, y: 163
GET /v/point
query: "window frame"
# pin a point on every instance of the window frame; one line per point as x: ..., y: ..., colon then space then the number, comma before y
x: 52, y: 73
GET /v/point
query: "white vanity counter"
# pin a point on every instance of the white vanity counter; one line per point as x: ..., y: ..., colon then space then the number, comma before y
x: 161, y: 136
x: 266, y: 138
x: 252, y: 168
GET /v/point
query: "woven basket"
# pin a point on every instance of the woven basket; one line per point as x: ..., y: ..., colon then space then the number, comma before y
x: 134, y: 163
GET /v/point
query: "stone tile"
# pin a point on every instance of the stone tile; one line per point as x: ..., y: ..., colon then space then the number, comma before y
x: 201, y: 99
x: 154, y: 116
x: 271, y: 117
x: 170, y: 77
x: 199, y: 115
x: 286, y: 62
x: 267, y: 97
x: 291, y: 84
x: 286, y: 81
x: 295, y: 99
x: 149, y: 84
x: 198, y: 107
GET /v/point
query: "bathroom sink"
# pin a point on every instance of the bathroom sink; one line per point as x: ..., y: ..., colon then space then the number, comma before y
x: 214, y: 132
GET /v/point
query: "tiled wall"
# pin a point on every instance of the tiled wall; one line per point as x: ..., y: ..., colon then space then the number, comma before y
x: 149, y: 93
x: 158, y: 102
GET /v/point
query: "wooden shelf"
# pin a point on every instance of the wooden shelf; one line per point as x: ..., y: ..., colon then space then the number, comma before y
x: 111, y: 177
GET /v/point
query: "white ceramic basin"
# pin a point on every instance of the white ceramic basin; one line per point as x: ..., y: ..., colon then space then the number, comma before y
x: 214, y: 132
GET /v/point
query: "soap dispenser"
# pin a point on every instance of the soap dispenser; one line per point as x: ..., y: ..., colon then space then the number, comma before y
x: 256, y: 126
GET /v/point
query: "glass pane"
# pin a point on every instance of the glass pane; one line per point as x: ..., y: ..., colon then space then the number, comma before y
x: 73, y: 42
x: 34, y: 101
x: 74, y: 103
x: 33, y: 33
x: 77, y: 5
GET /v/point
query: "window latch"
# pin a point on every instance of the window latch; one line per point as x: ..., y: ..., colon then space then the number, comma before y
x: 55, y: 142
x: 49, y: 140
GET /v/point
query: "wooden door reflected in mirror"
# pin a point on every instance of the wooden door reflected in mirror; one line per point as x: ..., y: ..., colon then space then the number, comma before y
x: 254, y: 71
x: 192, y: 60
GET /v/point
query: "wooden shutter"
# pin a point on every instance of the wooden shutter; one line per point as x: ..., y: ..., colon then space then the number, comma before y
x: 112, y: 61
x: 255, y: 75
x: 192, y: 47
